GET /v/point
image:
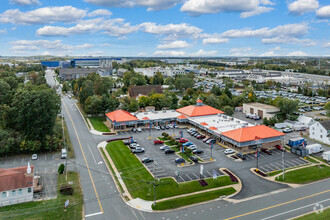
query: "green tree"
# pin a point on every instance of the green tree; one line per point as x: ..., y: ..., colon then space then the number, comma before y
x: 287, y: 106
x: 327, y: 107
x: 133, y: 106
x: 65, y: 87
x: 216, y: 90
x: 224, y: 100
x: 5, y: 93
x: 228, y: 110
x: 158, y: 79
x: 87, y: 90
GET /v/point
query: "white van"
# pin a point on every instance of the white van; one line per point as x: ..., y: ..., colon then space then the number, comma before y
x: 63, y: 154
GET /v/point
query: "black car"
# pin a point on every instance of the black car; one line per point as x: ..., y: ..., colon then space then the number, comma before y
x: 267, y: 151
x: 169, y: 151
x: 242, y: 156
x: 147, y: 160
x: 194, y: 159
x: 197, y: 152
x: 179, y: 160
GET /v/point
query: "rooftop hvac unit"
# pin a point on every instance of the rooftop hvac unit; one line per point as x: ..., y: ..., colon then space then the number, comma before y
x: 213, y: 120
x: 238, y: 122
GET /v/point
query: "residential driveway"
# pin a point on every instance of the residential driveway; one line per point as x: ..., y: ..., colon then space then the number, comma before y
x: 45, y: 166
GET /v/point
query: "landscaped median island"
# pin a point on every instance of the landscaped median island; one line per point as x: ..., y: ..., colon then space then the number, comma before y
x: 53, y: 208
x: 306, y: 175
x: 325, y: 214
x: 98, y: 124
x: 139, y: 181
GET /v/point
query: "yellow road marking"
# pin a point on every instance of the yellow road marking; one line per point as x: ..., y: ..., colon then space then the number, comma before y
x: 270, y: 207
x: 90, y: 175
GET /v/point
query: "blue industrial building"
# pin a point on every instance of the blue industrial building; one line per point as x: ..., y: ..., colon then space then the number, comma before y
x: 50, y: 63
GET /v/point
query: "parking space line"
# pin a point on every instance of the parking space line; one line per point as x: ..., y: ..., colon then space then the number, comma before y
x: 209, y: 173
x: 294, y: 162
x: 277, y: 167
x: 195, y: 175
x: 263, y: 169
x: 188, y: 176
x: 291, y: 164
x: 182, y: 179
x: 269, y: 167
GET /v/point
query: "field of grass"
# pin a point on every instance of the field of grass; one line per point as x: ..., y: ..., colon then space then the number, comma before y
x: 188, y: 200
x: 280, y: 171
x: 98, y: 124
x: 306, y: 175
x: 324, y: 215
x: 139, y: 181
x: 50, y: 209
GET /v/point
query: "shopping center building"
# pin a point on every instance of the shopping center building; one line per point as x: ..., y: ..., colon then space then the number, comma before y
x: 211, y: 121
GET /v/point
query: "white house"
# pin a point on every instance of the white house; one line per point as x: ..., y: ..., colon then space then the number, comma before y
x: 16, y: 185
x: 320, y: 131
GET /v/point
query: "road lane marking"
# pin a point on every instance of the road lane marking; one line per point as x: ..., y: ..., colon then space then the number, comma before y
x: 280, y: 204
x: 93, y: 214
x: 295, y: 209
x: 89, y: 147
x: 90, y: 175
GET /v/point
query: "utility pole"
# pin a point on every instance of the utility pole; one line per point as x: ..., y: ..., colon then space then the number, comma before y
x: 283, y: 163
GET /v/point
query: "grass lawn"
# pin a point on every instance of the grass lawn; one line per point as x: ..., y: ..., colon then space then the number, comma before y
x: 311, y: 160
x: 324, y: 215
x: 50, y: 209
x: 183, y: 155
x: 139, y: 181
x: 280, y: 171
x: 306, y: 175
x: 98, y: 124
x: 187, y: 200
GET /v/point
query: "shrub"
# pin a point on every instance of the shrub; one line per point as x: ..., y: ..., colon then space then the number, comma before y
x: 61, y: 169
x: 179, y: 144
x: 164, y: 134
x: 66, y: 190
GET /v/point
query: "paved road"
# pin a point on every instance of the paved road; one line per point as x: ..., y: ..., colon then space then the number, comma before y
x: 102, y: 201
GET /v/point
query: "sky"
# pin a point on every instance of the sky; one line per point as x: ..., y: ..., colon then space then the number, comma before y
x: 158, y: 28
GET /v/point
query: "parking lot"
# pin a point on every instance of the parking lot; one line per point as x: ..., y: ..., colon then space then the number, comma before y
x: 45, y: 166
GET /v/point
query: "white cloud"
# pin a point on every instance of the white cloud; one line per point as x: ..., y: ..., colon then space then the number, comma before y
x: 242, y: 51
x: 268, y: 54
x: 199, y: 7
x: 323, y: 12
x: 256, y: 11
x: 56, y: 47
x: 168, y: 53
x: 203, y: 53
x: 25, y: 2
x: 172, y: 31
x: 277, y: 48
x: 141, y: 54
x: 288, y: 40
x: 297, y: 53
x: 152, y: 5
x: 215, y: 40
x: 300, y: 7
x: 13, y: 28
x: 113, y: 27
x: 106, y: 45
x: 293, y: 30
x: 327, y: 44
x: 4, y: 31
x: 99, y: 12
x: 173, y: 45
x: 43, y: 15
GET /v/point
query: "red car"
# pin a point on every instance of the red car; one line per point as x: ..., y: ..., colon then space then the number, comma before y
x: 183, y: 140
x: 280, y: 147
x: 200, y: 136
x: 158, y: 142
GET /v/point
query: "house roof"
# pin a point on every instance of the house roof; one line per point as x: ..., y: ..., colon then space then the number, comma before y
x: 193, y: 110
x: 135, y: 91
x: 305, y: 119
x: 252, y: 133
x: 181, y: 117
x: 15, y: 178
x: 326, y: 124
x: 121, y: 116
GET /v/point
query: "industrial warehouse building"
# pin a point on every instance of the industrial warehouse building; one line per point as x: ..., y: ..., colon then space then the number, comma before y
x: 262, y: 110
x: 226, y: 129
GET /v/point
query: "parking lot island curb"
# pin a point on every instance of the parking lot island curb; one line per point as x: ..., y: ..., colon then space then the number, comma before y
x: 239, y: 185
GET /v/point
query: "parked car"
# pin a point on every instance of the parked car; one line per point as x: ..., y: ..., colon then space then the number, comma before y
x: 157, y: 127
x: 162, y: 127
x: 187, y: 144
x: 69, y: 96
x: 267, y: 151
x: 147, y: 160
x: 183, y: 140
x: 242, y: 156
x: 323, y: 113
x: 280, y: 147
x: 197, y: 151
x: 34, y: 157
x: 170, y: 126
x: 229, y: 151
x: 201, y: 136
x: 194, y: 159
x: 206, y: 139
x: 139, y: 129
x: 167, y: 127
x: 196, y: 134
x: 134, y: 130
x: 134, y: 145
x: 209, y: 141
x: 138, y: 150
x: 192, y: 147
x: 158, y: 141
x: 179, y: 160
x: 287, y: 130
x: 165, y: 147
x: 169, y: 151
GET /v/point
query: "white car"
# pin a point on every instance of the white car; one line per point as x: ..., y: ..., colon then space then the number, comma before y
x: 229, y: 151
x: 170, y: 126
x: 139, y: 129
x: 34, y: 157
x: 157, y: 128
x: 165, y: 147
x: 192, y: 147
x: 138, y: 150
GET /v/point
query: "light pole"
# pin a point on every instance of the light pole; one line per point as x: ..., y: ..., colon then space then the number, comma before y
x: 66, y: 158
x: 283, y: 158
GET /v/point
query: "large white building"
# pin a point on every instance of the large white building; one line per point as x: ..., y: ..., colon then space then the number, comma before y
x: 167, y: 72
x: 320, y: 131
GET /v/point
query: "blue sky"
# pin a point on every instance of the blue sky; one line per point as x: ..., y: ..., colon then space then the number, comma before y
x: 165, y: 27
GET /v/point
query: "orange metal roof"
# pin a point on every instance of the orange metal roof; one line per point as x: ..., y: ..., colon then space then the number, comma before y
x: 181, y: 117
x: 252, y: 133
x: 193, y: 111
x: 204, y: 123
x: 213, y: 128
x: 199, y: 101
x: 145, y: 118
x: 121, y: 116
